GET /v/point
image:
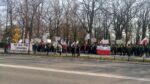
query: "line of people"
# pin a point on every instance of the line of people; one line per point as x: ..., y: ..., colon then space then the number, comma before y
x: 48, y: 47
x: 74, y: 49
x: 130, y: 50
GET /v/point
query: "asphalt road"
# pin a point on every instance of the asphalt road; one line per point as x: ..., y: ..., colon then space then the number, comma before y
x: 59, y: 70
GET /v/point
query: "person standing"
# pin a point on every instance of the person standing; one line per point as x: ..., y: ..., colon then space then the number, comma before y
x: 59, y: 48
x: 141, y: 50
x: 35, y: 46
x: 129, y: 50
x: 78, y: 50
x: 115, y: 49
x: 48, y: 46
x: 73, y: 49
x: 148, y: 51
x: 124, y: 50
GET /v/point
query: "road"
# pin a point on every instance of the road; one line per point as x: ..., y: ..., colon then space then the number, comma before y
x: 22, y: 69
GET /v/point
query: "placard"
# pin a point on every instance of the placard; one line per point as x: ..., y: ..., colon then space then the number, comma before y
x: 119, y: 42
x: 20, y: 47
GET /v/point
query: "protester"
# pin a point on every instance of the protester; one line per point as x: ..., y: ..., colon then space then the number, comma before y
x: 59, y: 48
x: 121, y: 50
x: 35, y: 48
x: 78, y: 50
x: 73, y: 49
x: 48, y: 48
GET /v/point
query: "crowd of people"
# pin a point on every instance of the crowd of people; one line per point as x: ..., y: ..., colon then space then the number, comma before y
x: 73, y: 48
x: 122, y: 50
x: 130, y: 50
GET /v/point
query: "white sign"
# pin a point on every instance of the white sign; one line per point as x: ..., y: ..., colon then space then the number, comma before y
x: 45, y: 36
x: 93, y: 40
x: 36, y: 40
x: 48, y: 41
x: 20, y: 47
x: 20, y: 41
x: 119, y: 42
x: 104, y: 42
x: 87, y: 37
x: 27, y: 41
x: 55, y: 44
x: 57, y: 38
x: 112, y: 36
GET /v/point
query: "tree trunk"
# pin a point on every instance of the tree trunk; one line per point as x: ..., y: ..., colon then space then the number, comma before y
x: 144, y: 31
x: 30, y: 33
x: 91, y: 21
x: 26, y: 18
x: 118, y: 35
x: 38, y: 28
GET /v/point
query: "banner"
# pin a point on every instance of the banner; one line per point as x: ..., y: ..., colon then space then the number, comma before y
x: 20, y: 47
x: 102, y: 50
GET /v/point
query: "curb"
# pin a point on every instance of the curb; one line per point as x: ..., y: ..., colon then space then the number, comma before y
x: 129, y: 62
x: 100, y: 58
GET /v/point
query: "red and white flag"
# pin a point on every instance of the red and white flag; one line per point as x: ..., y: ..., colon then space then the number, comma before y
x: 101, y: 50
x: 145, y: 41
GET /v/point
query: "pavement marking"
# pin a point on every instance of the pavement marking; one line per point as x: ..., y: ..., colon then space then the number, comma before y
x: 75, y: 72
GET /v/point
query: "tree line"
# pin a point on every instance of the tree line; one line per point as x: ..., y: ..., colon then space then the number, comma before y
x: 73, y: 19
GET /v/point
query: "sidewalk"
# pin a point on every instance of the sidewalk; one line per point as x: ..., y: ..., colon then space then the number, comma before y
x: 1, y: 50
x: 115, y: 58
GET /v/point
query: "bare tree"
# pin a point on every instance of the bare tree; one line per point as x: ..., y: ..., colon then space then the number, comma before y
x: 124, y: 12
x: 39, y: 17
x: 90, y: 8
x: 57, y: 13
x: 64, y: 18
x: 66, y: 28
x: 144, y: 17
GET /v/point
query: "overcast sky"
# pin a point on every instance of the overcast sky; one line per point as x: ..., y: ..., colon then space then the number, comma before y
x: 2, y: 2
x: 2, y: 9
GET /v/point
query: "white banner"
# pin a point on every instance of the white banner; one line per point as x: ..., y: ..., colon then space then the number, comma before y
x: 20, y: 47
